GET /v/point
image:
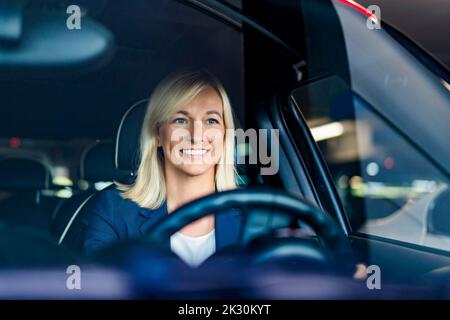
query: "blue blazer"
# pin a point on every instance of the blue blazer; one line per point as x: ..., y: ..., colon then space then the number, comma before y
x: 112, y: 218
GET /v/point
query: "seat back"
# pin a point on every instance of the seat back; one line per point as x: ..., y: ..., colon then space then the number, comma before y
x: 96, y: 166
x: 21, y: 183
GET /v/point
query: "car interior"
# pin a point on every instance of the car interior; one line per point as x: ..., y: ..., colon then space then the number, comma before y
x: 73, y: 102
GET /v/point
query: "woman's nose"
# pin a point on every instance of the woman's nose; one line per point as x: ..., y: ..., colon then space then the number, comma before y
x: 197, y: 132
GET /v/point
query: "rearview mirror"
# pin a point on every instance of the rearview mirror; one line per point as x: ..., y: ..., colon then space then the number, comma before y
x: 42, y: 44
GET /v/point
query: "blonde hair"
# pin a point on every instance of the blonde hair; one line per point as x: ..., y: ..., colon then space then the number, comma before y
x: 172, y: 93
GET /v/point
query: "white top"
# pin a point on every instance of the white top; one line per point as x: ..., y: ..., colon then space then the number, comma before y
x: 193, y: 250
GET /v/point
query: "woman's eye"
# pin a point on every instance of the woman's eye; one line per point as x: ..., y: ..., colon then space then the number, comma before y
x: 212, y: 121
x: 180, y: 121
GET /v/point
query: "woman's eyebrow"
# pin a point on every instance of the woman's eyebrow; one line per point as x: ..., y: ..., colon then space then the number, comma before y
x: 186, y: 113
x: 182, y: 112
x: 214, y: 112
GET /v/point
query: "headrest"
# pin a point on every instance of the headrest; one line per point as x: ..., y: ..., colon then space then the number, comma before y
x: 23, y: 173
x: 97, y: 163
x: 128, y: 137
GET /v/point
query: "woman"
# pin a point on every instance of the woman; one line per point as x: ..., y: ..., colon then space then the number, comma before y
x: 187, y: 152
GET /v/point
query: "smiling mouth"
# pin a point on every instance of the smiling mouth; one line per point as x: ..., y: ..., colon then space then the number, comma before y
x: 194, y: 152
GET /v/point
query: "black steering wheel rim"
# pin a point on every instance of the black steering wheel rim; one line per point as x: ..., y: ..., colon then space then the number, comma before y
x: 324, y: 226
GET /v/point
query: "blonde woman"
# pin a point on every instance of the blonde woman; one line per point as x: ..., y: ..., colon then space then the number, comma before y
x: 187, y: 152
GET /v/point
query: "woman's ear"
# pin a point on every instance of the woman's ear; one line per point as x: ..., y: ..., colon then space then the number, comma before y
x: 158, y: 138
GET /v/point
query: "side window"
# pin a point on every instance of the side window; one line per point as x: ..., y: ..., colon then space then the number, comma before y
x: 381, y: 124
x: 388, y: 186
x: 398, y: 187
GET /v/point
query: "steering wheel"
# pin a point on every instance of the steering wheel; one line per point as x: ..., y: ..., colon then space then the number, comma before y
x: 245, y: 200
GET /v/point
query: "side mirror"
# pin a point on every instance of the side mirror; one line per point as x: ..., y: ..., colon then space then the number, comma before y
x: 439, y: 214
x: 40, y: 43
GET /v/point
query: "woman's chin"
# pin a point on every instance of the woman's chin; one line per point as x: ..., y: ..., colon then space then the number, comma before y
x: 196, y: 169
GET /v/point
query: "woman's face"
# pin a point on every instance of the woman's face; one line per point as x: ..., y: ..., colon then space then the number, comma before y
x: 193, y: 138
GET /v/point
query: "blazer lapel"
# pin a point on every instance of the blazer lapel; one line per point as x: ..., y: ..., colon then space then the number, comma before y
x: 150, y: 217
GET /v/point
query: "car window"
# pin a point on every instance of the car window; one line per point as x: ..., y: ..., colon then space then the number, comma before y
x: 387, y: 186
x: 383, y: 136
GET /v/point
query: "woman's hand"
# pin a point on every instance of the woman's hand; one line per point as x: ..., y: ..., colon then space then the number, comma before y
x: 361, y: 272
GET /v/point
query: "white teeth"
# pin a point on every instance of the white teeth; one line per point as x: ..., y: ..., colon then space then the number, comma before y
x: 194, y: 152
